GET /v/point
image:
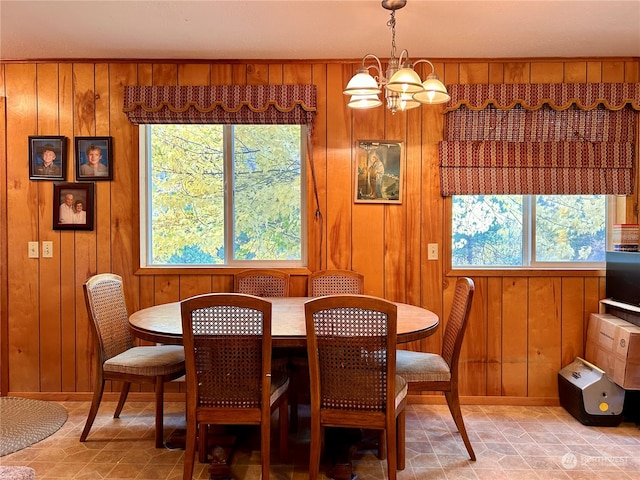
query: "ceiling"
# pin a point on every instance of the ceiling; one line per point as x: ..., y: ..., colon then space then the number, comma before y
x: 316, y: 29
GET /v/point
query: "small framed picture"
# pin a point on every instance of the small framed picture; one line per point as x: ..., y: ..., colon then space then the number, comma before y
x: 94, y: 158
x: 73, y: 206
x: 47, y: 158
x: 379, y: 167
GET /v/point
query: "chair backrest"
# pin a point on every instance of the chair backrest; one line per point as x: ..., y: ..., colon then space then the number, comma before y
x: 104, y: 298
x: 335, y: 282
x: 262, y: 282
x: 227, y: 344
x: 457, y: 322
x: 351, y: 343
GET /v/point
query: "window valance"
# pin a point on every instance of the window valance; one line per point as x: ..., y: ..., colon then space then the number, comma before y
x: 221, y: 104
x: 558, y: 96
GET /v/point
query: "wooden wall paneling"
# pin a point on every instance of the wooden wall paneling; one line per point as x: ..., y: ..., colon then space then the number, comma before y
x: 191, y: 285
x: 514, y: 336
x: 336, y: 181
x: 516, y: 72
x: 258, y: 74
x: 275, y: 73
x: 23, y: 286
x: 474, y: 349
x: 167, y: 288
x: 4, y: 250
x: 575, y: 72
x: 147, y: 297
x: 631, y: 71
x: 81, y: 251
x: 222, y: 283
x: 165, y: 74
x: 367, y: 219
x: 544, y: 335
x: 594, y: 71
x: 239, y: 76
x: 47, y: 88
x: 592, y: 296
x: 124, y: 187
x: 547, y: 72
x: 102, y: 219
x: 413, y: 202
x: 573, y: 319
x: 494, y: 336
x: 194, y: 74
x: 145, y: 74
x: 395, y: 217
x: 296, y: 73
x: 67, y: 319
x: 496, y: 73
x: 613, y: 71
x: 474, y: 73
x: 317, y: 172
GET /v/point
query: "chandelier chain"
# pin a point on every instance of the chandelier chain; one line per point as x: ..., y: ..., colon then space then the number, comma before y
x: 392, y: 24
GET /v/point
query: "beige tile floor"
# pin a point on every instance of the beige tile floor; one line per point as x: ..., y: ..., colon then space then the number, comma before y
x: 510, y: 443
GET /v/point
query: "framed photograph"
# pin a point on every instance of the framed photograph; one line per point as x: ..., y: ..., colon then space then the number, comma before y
x: 379, y: 169
x: 73, y: 206
x: 94, y: 158
x: 47, y: 158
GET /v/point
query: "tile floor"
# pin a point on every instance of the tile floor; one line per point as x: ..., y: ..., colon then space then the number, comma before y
x: 510, y: 443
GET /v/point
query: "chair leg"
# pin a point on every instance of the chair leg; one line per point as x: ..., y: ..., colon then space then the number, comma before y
x: 392, y: 450
x: 190, y: 447
x: 123, y: 398
x: 159, y: 412
x: 401, y: 421
x: 203, y: 442
x: 265, y: 446
x: 284, y: 428
x: 453, y: 402
x: 382, y: 445
x: 315, y: 448
x: 95, y: 404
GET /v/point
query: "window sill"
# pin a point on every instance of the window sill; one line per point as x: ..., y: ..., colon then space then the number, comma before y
x: 528, y: 272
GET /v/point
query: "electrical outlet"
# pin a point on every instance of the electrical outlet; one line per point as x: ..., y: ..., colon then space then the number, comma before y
x: 33, y: 249
x: 432, y: 251
x: 47, y: 249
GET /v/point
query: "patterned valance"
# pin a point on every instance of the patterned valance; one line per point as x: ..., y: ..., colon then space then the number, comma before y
x: 221, y: 104
x: 558, y: 96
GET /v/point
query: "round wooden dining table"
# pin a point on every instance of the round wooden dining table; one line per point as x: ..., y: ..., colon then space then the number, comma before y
x: 163, y: 324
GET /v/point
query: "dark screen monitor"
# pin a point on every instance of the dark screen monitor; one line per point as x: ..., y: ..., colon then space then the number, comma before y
x: 623, y: 277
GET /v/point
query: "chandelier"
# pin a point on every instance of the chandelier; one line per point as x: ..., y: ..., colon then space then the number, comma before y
x: 402, y: 86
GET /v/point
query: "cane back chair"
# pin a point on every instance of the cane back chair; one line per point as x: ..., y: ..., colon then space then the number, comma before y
x: 117, y: 358
x: 351, y: 343
x: 439, y: 373
x: 227, y: 342
x: 262, y: 282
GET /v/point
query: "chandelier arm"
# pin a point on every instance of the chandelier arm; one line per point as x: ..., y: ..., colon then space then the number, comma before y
x: 433, y: 69
x: 404, y: 54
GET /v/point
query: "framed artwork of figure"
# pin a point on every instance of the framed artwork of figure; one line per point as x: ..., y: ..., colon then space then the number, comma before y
x: 378, y: 172
x: 73, y: 206
x: 94, y: 158
x: 47, y: 158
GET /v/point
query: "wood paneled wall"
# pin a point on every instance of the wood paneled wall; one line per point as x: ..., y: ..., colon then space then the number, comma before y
x: 523, y: 329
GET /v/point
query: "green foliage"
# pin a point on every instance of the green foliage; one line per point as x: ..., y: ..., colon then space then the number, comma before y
x: 489, y: 230
x: 189, y: 168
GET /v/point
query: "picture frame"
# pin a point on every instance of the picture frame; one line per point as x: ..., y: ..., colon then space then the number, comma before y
x: 73, y: 206
x: 379, y: 170
x: 47, y: 157
x: 94, y: 158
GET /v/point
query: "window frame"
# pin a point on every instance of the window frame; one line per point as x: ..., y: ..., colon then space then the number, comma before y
x: 614, y: 206
x: 143, y: 225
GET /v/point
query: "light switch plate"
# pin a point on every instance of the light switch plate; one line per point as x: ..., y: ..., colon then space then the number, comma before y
x: 432, y: 251
x: 33, y: 249
x: 47, y: 249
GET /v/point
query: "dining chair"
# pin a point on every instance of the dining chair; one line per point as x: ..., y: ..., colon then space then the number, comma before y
x: 439, y: 373
x: 335, y: 282
x: 319, y: 283
x: 265, y: 282
x: 351, y: 344
x: 227, y: 342
x: 117, y: 357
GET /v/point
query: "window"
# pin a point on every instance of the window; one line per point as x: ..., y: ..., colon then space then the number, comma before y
x: 214, y: 195
x: 544, y: 231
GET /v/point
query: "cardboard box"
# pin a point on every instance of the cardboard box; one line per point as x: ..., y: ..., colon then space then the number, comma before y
x: 613, y: 345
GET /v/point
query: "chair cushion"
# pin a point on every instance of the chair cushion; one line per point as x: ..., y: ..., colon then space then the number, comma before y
x: 401, y: 389
x: 279, y: 384
x: 422, y: 367
x: 148, y: 361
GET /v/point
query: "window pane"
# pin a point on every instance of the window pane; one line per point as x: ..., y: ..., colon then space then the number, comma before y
x: 570, y: 228
x: 487, y: 230
x: 267, y: 179
x: 187, y: 194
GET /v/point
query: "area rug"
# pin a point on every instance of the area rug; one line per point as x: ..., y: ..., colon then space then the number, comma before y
x: 24, y: 421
